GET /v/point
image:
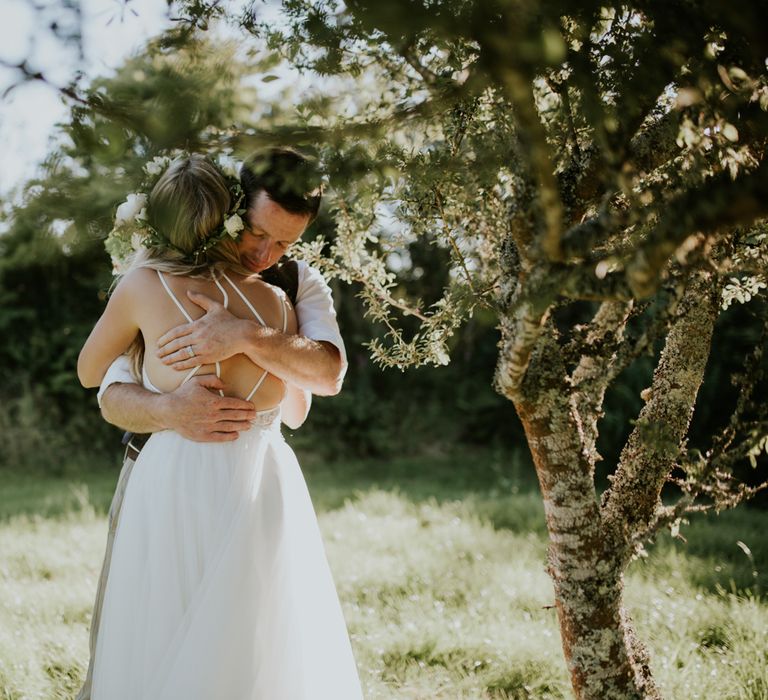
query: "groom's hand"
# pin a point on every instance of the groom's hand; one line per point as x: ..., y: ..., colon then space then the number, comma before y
x: 199, y: 414
x: 213, y: 337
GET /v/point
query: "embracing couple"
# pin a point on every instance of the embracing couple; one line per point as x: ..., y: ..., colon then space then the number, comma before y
x: 215, y: 584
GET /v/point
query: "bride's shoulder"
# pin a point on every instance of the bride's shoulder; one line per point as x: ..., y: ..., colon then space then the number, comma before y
x: 138, y: 283
x: 136, y: 279
x: 271, y: 299
x: 253, y: 284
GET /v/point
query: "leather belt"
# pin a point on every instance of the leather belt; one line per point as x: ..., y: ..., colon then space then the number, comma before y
x: 133, y: 443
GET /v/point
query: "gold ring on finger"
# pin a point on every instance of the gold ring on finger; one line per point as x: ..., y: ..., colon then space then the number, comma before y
x: 190, y: 351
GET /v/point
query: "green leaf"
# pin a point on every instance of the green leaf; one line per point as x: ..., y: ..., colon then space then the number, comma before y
x: 731, y: 132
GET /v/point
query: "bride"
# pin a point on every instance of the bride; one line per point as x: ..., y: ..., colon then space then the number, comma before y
x: 219, y: 586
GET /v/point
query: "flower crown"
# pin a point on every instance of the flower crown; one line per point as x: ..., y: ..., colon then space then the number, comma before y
x: 131, y: 231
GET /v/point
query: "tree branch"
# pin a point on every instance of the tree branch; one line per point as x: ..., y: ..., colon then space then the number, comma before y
x: 631, y: 502
x: 592, y: 375
x: 521, y: 325
x: 719, y: 203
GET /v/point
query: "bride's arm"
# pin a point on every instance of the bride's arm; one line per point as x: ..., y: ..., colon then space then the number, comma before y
x: 112, y: 334
x: 295, y: 406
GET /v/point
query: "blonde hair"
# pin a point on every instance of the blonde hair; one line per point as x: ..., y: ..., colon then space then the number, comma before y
x: 187, y: 204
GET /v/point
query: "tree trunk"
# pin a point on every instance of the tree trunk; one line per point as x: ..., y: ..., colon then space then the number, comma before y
x: 585, y: 562
x: 590, y: 546
x: 585, y: 559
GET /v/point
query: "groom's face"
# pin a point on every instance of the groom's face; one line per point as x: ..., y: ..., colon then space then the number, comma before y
x: 269, y: 232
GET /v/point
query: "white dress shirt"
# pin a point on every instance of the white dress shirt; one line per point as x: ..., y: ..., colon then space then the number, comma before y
x: 314, y: 311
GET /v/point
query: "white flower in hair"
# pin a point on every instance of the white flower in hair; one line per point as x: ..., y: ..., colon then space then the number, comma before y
x: 234, y: 224
x: 134, y: 207
x: 137, y: 241
x: 156, y: 165
x: 229, y: 166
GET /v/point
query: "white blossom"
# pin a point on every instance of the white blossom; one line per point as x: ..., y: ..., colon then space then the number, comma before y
x: 229, y: 166
x: 132, y: 208
x: 156, y: 165
x: 233, y: 225
x: 441, y: 356
x: 137, y: 241
x: 741, y: 290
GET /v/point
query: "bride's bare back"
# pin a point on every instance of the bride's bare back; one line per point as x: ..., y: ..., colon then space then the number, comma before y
x: 159, y: 312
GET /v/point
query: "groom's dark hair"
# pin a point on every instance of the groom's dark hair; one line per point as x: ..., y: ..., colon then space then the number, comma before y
x: 289, y: 178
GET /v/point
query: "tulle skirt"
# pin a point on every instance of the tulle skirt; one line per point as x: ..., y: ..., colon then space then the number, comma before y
x: 219, y: 587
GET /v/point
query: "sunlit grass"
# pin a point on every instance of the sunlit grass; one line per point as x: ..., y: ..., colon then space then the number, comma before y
x: 444, y: 589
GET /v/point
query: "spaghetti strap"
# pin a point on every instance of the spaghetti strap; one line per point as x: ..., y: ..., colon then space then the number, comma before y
x: 194, y: 370
x: 226, y: 304
x: 173, y: 296
x: 225, y: 296
x: 245, y: 299
x: 285, y: 316
x: 257, y: 386
x: 189, y: 375
x: 221, y: 288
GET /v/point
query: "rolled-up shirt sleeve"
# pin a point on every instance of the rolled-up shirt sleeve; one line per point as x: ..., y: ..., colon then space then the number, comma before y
x: 315, y: 312
x: 119, y: 372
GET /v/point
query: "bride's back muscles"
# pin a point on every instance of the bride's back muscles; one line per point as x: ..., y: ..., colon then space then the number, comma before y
x: 158, y: 313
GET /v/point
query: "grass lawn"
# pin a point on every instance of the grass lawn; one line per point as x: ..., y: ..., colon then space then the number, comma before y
x: 439, y: 562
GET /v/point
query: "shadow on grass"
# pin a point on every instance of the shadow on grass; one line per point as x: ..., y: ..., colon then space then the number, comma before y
x: 497, y: 486
x: 489, y: 475
x: 722, y: 553
x: 523, y: 680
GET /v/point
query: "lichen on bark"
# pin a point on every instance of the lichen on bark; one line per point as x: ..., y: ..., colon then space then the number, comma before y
x: 585, y: 557
x: 662, y: 426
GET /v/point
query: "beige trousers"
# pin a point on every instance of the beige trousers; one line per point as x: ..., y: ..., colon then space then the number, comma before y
x: 114, y: 514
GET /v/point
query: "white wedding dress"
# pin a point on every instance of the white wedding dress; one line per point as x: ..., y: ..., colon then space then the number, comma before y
x: 219, y: 587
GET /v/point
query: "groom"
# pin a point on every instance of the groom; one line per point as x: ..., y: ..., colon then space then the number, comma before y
x: 276, y: 184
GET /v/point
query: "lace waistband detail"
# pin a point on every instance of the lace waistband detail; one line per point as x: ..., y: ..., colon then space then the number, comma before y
x: 265, y: 419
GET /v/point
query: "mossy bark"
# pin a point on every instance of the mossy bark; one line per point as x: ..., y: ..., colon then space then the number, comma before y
x: 591, y: 545
x: 661, y: 429
x: 584, y: 560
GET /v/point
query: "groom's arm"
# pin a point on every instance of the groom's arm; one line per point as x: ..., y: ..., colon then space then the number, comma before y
x: 316, y: 366
x: 308, y: 364
x: 193, y: 410
x: 313, y: 360
x: 295, y: 406
x: 131, y: 407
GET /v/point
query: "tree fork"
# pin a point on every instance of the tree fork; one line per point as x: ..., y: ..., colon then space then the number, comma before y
x: 585, y: 559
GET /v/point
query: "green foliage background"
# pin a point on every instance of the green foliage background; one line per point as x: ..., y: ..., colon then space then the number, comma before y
x: 55, y: 274
x: 53, y: 287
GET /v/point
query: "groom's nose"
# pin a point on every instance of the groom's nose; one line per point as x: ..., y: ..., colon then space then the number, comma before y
x: 264, y: 260
x: 263, y: 249
x: 267, y: 252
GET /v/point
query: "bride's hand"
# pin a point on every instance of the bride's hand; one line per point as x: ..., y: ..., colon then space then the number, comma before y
x: 197, y: 413
x: 213, y: 337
